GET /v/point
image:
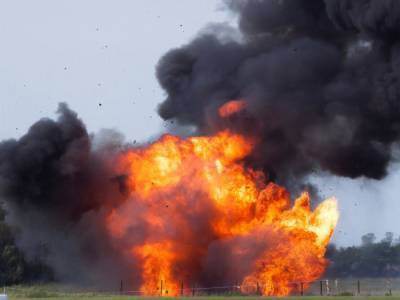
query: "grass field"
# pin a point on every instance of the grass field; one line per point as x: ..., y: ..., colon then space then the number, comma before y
x: 55, y: 292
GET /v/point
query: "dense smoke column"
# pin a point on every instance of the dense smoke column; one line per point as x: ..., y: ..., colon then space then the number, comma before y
x: 320, y: 79
x: 57, y: 188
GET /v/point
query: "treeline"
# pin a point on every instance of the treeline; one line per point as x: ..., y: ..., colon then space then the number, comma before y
x: 14, y: 267
x: 371, y: 259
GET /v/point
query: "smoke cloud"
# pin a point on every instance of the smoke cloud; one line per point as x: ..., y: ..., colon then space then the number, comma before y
x: 57, y: 187
x: 320, y: 79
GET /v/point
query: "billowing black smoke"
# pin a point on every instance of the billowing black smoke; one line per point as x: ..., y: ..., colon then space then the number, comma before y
x: 321, y: 80
x: 57, y: 186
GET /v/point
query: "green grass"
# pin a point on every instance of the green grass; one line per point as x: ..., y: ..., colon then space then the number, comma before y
x: 49, y: 292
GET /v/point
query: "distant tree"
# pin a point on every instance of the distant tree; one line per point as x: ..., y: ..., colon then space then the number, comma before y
x: 11, y: 259
x: 371, y: 259
x: 13, y: 266
x: 368, y: 239
x: 388, y: 238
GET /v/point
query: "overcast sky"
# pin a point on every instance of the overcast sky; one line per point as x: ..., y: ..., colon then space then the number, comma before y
x: 91, y: 52
x: 100, y: 57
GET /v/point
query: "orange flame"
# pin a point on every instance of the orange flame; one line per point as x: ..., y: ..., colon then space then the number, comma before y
x: 231, y: 107
x: 191, y: 193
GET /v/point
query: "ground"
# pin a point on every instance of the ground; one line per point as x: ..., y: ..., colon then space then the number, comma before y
x: 63, y: 292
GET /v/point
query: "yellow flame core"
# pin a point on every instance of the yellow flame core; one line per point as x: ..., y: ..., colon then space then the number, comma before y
x: 202, y: 174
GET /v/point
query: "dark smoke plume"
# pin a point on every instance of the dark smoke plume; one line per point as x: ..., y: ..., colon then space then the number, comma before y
x: 321, y: 83
x: 320, y: 78
x: 56, y: 186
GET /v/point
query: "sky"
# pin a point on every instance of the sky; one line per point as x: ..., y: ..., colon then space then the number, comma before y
x: 100, y: 57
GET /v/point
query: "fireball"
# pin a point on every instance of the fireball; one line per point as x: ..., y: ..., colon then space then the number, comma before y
x: 201, y: 207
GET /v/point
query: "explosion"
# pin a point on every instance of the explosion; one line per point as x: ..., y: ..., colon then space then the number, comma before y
x: 196, y: 194
x: 315, y: 87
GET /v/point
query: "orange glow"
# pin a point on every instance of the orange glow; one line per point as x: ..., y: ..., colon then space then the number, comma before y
x: 231, y: 107
x: 191, y: 193
x: 157, y: 259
